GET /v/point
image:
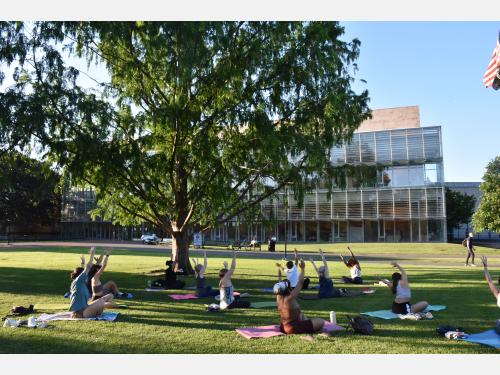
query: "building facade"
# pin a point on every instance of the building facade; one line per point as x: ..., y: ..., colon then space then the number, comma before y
x: 406, y: 203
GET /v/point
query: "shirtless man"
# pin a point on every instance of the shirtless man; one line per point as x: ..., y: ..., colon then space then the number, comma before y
x: 292, y: 319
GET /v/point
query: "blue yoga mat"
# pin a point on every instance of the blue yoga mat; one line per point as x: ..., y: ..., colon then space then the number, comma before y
x: 388, y: 314
x: 490, y: 338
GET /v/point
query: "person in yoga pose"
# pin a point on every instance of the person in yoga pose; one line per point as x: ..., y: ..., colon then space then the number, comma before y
x: 80, y: 295
x: 171, y: 281
x: 98, y: 289
x: 493, y: 288
x: 227, y: 298
x: 292, y: 273
x: 354, y: 268
x: 401, y: 288
x: 292, y: 320
x: 202, y: 290
x: 326, y: 288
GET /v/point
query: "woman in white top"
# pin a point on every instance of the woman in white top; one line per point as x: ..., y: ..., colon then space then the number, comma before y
x: 354, y: 268
x: 227, y: 298
x: 401, y: 288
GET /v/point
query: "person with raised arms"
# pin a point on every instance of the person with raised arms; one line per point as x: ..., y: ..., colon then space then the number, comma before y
x: 96, y: 287
x: 79, y: 293
x: 292, y: 273
x: 202, y: 290
x: 354, y: 268
x: 326, y: 288
x: 292, y: 320
x: 227, y: 298
x: 400, y: 287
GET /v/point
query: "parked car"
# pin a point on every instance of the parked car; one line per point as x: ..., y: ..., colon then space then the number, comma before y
x: 150, y: 239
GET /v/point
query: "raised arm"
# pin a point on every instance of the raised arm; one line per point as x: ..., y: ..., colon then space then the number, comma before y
x: 404, y: 277
x: 205, y: 263
x: 103, y: 266
x: 387, y: 283
x: 91, y: 260
x: 295, y: 292
x: 296, y: 255
x: 99, y: 260
x: 231, y: 269
x: 343, y: 260
x: 487, y: 275
x: 314, y: 265
x: 327, y: 272
x: 354, y: 257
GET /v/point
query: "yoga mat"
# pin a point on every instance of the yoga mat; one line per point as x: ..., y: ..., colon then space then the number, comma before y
x: 155, y: 290
x: 62, y: 306
x: 490, y: 338
x: 107, y: 316
x: 260, y: 305
x: 388, y: 314
x: 274, y: 330
x: 183, y: 296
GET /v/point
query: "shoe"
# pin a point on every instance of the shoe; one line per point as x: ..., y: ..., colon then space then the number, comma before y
x: 428, y: 315
x: 473, y: 265
x: 466, y: 265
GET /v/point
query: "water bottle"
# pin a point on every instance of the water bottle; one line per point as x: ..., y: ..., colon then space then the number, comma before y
x: 333, y: 317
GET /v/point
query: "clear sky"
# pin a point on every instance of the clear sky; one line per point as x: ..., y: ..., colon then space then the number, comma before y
x: 438, y: 66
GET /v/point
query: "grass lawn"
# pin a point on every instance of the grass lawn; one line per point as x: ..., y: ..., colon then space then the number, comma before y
x: 154, y: 323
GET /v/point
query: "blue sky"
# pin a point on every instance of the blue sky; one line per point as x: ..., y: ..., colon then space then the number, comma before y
x: 438, y: 66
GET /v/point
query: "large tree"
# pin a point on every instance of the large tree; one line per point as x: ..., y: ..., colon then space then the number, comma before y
x: 459, y: 208
x: 29, y: 192
x: 198, y: 122
x: 487, y: 216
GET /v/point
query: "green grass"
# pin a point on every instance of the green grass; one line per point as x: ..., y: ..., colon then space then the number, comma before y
x: 154, y: 323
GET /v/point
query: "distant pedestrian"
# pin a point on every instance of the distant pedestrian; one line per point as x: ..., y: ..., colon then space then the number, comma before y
x: 470, y: 251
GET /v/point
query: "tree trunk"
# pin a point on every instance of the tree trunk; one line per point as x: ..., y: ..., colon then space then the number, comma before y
x: 180, y: 251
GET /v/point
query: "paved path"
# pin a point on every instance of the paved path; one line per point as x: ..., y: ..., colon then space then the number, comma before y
x: 416, y: 258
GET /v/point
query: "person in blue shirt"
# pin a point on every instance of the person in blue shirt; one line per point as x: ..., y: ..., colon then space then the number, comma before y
x: 326, y: 289
x: 80, y: 295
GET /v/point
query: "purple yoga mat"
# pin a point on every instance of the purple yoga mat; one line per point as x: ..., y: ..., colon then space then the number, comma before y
x: 183, y: 296
x: 274, y: 330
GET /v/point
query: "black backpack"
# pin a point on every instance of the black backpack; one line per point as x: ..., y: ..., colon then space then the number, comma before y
x: 447, y: 328
x: 21, y: 310
x: 362, y: 325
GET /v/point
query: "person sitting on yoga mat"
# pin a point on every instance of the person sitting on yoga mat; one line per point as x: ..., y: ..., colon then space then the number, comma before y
x: 354, y: 268
x: 292, y: 320
x: 171, y: 281
x: 80, y: 293
x: 292, y: 274
x: 493, y: 288
x: 227, y: 298
x: 202, y: 290
x: 401, y: 288
x: 98, y: 289
x: 326, y: 289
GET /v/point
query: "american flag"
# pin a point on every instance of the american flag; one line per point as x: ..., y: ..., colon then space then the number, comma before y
x: 492, y: 75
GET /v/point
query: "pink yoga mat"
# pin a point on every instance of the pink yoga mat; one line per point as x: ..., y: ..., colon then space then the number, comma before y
x: 183, y: 296
x: 274, y: 330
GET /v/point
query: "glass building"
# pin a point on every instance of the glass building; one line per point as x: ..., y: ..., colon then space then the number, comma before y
x: 406, y: 203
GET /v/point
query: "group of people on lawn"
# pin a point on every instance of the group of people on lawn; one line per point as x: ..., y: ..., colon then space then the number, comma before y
x: 86, y: 285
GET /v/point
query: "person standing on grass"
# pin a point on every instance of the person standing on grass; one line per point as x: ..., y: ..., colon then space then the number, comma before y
x: 470, y: 251
x: 354, y: 268
x: 493, y: 288
x: 202, y: 290
x: 227, y: 298
x: 326, y: 289
x: 292, y: 273
x: 401, y: 288
x: 292, y: 320
x: 80, y: 294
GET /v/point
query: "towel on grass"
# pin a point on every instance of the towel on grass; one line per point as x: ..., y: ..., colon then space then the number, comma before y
x: 183, y: 296
x: 274, y: 330
x: 260, y: 305
x: 388, y: 314
x: 107, y: 316
x: 490, y: 338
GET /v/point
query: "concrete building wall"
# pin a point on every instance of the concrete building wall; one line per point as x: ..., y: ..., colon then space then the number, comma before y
x: 392, y: 118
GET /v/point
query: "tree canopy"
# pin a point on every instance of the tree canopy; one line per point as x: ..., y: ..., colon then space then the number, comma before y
x: 198, y: 122
x: 487, y: 216
x: 459, y: 208
x: 29, y: 192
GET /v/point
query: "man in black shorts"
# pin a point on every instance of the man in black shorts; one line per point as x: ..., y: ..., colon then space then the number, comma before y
x: 470, y: 251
